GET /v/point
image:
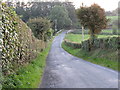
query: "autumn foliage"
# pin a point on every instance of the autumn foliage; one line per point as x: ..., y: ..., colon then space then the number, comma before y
x: 93, y: 18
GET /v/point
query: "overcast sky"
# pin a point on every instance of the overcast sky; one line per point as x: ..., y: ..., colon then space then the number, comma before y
x: 108, y: 5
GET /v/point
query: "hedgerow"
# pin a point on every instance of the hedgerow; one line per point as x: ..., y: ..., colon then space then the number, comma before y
x: 101, y: 43
x: 19, y: 46
x: 72, y: 44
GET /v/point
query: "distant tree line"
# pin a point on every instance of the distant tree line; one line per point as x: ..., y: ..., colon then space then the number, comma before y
x: 47, y: 10
x: 113, y: 13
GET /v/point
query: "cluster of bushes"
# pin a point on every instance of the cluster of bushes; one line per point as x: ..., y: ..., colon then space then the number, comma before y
x: 72, y: 44
x: 102, y: 43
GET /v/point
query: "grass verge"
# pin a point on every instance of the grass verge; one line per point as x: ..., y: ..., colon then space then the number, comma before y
x: 106, y: 58
x: 28, y: 76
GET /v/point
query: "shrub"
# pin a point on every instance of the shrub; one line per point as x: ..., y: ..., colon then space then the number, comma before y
x: 48, y: 34
x: 40, y: 27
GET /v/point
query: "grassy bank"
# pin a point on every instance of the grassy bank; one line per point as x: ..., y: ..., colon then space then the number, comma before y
x: 30, y: 75
x: 107, y: 58
x: 78, y: 37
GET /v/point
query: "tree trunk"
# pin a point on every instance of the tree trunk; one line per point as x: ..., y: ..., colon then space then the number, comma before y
x: 82, y: 33
x: 43, y: 38
x: 92, y: 40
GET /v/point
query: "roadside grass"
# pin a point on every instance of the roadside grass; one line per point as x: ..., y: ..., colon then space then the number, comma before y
x: 78, y: 37
x: 106, y: 58
x: 32, y: 73
x: 29, y: 76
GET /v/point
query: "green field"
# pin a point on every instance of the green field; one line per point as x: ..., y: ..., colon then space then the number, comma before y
x: 78, y: 37
x: 107, y: 31
x: 86, y: 31
x: 112, y: 18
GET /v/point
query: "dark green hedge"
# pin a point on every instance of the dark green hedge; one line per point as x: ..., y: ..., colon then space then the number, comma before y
x: 102, y: 43
x: 19, y: 46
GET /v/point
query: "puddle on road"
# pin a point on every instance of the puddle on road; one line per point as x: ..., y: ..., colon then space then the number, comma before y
x: 64, y: 67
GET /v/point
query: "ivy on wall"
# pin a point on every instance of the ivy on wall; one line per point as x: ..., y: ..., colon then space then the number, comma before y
x: 18, y: 44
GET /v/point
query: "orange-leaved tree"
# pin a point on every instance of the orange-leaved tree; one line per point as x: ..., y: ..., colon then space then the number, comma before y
x: 93, y: 18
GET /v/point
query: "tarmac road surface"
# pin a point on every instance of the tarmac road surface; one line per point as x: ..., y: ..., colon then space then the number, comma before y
x: 66, y: 71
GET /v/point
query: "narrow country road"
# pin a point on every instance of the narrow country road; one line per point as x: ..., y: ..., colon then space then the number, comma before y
x: 66, y: 71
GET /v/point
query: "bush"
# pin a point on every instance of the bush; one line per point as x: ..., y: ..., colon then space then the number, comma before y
x: 49, y: 34
x: 40, y: 27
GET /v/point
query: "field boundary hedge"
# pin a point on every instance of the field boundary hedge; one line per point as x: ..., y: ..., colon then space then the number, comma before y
x: 102, y: 43
x: 72, y: 44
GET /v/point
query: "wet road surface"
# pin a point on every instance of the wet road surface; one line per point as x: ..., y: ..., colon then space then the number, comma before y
x: 66, y: 71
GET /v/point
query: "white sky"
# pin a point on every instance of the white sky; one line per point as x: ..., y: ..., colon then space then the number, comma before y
x: 108, y: 5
